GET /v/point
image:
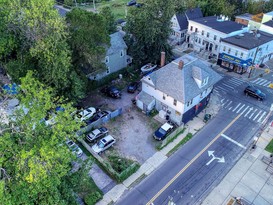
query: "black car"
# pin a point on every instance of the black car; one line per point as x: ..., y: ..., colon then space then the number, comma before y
x: 97, y: 116
x: 162, y: 132
x: 131, y: 3
x: 132, y: 87
x: 112, y: 91
x: 254, y: 92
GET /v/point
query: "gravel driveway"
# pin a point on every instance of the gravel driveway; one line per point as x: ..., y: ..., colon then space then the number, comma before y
x: 132, y: 129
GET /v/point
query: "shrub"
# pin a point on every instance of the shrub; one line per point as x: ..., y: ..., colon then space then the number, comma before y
x: 92, y: 198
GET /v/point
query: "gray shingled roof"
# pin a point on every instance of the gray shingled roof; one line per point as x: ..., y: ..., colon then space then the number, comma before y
x: 182, y: 18
x: 180, y: 84
x: 117, y: 43
x: 222, y: 26
x: 249, y: 40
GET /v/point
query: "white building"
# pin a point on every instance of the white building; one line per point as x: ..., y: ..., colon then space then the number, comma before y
x: 238, y: 53
x: 179, y: 90
x: 205, y: 34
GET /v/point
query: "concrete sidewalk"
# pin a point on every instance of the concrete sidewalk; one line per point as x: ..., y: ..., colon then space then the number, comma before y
x: 159, y: 157
x: 248, y: 179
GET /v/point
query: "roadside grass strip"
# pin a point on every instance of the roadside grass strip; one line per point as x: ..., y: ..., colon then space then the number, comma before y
x: 269, y: 147
x: 182, y: 142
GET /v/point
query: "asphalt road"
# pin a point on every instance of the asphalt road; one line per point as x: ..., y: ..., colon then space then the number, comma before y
x: 190, y: 174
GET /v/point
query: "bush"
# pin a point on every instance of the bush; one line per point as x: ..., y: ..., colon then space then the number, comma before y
x: 92, y: 198
x: 118, y: 163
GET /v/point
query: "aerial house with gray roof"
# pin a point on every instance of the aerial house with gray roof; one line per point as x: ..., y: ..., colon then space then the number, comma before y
x: 179, y: 90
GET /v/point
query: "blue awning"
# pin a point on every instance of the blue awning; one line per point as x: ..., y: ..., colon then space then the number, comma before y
x: 233, y: 59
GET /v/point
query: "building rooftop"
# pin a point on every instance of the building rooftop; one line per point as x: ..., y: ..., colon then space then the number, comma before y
x: 117, y: 43
x: 217, y: 23
x: 249, y: 40
x: 182, y: 18
x: 269, y: 23
x: 245, y: 16
x: 180, y: 83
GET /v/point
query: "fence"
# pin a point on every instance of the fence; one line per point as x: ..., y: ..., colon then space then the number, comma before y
x: 107, y: 166
x: 100, y: 121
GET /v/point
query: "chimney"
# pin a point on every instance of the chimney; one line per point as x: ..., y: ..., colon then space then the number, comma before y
x: 162, y: 60
x: 180, y: 64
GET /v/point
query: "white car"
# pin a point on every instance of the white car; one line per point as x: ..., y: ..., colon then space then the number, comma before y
x: 104, y: 144
x: 86, y: 114
x: 74, y: 148
x: 97, y: 133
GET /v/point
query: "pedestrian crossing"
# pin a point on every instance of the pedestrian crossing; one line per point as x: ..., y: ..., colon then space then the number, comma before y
x: 261, y: 82
x: 228, y: 86
x: 247, y: 111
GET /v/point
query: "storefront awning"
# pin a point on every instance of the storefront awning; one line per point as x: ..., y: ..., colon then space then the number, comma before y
x: 232, y: 59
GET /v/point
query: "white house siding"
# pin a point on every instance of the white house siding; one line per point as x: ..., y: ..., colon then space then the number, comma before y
x: 266, y: 28
x: 177, y: 34
x: 224, y: 48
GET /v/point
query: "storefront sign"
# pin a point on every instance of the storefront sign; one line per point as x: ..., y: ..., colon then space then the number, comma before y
x: 232, y: 59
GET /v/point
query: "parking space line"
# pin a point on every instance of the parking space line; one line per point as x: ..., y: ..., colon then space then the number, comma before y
x: 232, y: 140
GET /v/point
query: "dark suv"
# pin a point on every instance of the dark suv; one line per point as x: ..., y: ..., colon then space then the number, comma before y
x: 111, y: 91
x: 254, y: 92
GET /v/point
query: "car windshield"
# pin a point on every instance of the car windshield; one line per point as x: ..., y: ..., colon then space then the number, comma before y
x: 79, y: 115
x: 163, y: 132
x: 258, y: 92
x: 100, y: 144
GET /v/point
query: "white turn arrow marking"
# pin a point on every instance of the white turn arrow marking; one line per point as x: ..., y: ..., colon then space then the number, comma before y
x: 210, y: 153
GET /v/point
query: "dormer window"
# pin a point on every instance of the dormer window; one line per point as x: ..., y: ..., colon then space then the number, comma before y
x: 205, y: 81
x: 107, y: 59
x: 121, y: 53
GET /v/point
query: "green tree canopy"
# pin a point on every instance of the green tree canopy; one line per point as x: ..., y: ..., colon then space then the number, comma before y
x: 89, y: 39
x: 149, y: 28
x: 109, y: 18
x: 35, y: 38
x: 33, y: 156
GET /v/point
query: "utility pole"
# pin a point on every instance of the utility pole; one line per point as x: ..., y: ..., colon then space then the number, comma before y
x: 252, y: 66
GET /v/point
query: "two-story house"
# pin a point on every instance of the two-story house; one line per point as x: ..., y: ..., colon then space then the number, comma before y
x: 179, y: 90
x: 179, y: 23
x: 116, y: 57
x: 238, y: 53
x: 205, y: 34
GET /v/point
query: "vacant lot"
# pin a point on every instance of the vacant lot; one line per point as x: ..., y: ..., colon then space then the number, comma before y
x: 133, y: 129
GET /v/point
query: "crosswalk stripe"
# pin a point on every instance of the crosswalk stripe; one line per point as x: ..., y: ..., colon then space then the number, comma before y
x: 254, y: 81
x: 222, y: 100
x: 225, y: 103
x: 267, y: 84
x: 252, y: 114
x: 257, y: 115
x: 259, y: 80
x: 240, y: 108
x: 248, y: 111
x: 259, y: 120
x: 222, y: 88
x: 228, y: 104
x: 244, y: 110
x: 235, y: 82
x: 236, y: 107
x: 230, y: 108
x: 228, y: 86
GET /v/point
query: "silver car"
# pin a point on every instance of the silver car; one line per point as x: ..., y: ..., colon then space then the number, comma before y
x: 97, y: 133
x: 104, y: 144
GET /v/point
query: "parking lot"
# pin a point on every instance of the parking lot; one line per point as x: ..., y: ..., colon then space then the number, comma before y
x: 132, y: 129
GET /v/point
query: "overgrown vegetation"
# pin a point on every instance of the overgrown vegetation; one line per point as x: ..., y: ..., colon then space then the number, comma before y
x: 119, y: 163
x: 182, y: 142
x: 269, y: 147
x: 169, y: 140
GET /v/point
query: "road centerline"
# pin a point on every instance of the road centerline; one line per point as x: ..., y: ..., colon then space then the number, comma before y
x: 193, y: 160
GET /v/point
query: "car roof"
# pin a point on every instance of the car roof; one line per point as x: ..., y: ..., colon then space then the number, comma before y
x: 166, y: 126
x: 96, y: 131
x: 108, y: 138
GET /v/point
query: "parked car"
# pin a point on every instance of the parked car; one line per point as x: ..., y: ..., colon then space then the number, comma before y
x: 97, y: 116
x: 132, y: 87
x: 111, y: 91
x: 138, y: 5
x: 104, y: 144
x: 254, y: 92
x: 86, y: 114
x: 97, y: 133
x: 74, y: 148
x: 162, y: 132
x: 131, y: 3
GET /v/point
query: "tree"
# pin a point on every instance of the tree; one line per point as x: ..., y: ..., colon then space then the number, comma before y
x: 33, y: 156
x: 109, y: 18
x: 149, y: 29
x: 37, y: 39
x: 89, y: 39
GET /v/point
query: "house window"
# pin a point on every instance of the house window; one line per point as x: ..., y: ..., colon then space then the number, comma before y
x: 107, y: 59
x: 199, y: 41
x: 108, y: 70
x: 229, y: 51
x: 203, y: 43
x: 267, y: 47
x: 191, y: 28
x: 174, y: 102
x: 252, y: 54
x: 121, y: 53
x: 216, y: 47
x: 215, y: 37
x: 189, y: 103
x: 236, y: 53
x: 196, y: 30
x: 164, y: 98
x: 207, y: 34
x: 202, y: 33
x: 224, y: 49
x: 182, y: 35
x: 242, y: 54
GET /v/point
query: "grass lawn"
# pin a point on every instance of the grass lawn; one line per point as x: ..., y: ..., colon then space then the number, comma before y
x: 269, y: 147
x: 118, y: 7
